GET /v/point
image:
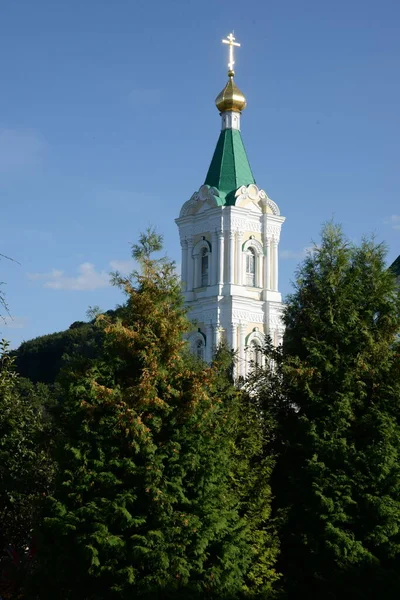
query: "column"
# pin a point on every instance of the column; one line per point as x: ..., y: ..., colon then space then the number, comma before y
x: 232, y: 336
x: 209, y: 343
x: 233, y: 345
x: 189, y: 265
x: 216, y: 337
x: 239, y: 238
x: 231, y: 259
x: 244, y: 273
x: 275, y: 262
x: 267, y: 264
x: 214, y: 258
x: 242, y: 342
x: 221, y: 257
x: 184, y: 265
x: 259, y: 267
x: 196, y: 277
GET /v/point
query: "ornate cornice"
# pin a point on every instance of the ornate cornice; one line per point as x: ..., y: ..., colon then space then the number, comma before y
x: 255, y: 194
x: 205, y: 194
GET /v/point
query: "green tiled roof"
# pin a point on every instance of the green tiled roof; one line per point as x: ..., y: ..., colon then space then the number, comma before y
x: 395, y: 267
x: 230, y: 168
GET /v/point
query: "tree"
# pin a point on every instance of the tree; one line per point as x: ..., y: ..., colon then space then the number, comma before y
x: 41, y: 359
x: 337, y: 480
x: 26, y: 470
x: 153, y: 499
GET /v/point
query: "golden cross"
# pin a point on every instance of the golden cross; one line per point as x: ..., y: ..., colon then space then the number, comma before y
x: 231, y: 41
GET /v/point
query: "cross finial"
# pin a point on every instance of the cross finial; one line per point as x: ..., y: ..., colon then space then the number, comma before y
x: 231, y: 41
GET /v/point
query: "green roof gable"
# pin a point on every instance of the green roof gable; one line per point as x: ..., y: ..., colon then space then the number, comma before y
x: 230, y: 168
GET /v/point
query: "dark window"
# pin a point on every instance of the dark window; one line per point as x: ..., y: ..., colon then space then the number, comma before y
x: 250, y: 267
x: 255, y: 354
x: 199, y: 349
x: 204, y: 267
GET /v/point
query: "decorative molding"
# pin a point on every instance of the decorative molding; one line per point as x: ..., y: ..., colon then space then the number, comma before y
x: 205, y: 194
x: 210, y: 316
x: 245, y: 315
x: 249, y: 192
x: 206, y: 317
x: 273, y: 231
x: 273, y: 206
x: 275, y: 318
x: 201, y: 244
x: 197, y: 335
x: 203, y: 226
x: 189, y: 204
x: 194, y: 339
x: 252, y: 243
x: 275, y: 321
x: 255, y: 335
x: 267, y: 202
x: 244, y: 225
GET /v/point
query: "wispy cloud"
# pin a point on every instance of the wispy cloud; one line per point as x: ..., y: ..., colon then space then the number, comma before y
x: 14, y: 322
x: 295, y: 255
x: 19, y: 149
x: 87, y: 279
x: 394, y: 222
x: 125, y: 267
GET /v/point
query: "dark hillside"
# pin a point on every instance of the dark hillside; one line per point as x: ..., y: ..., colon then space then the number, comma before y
x: 41, y: 358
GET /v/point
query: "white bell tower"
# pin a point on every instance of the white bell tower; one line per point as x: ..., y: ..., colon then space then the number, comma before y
x: 229, y: 232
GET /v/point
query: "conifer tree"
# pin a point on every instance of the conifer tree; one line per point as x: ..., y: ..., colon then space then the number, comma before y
x: 26, y: 471
x: 337, y: 481
x: 151, y: 499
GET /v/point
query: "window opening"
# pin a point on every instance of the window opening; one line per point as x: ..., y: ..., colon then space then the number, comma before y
x: 255, y: 354
x: 250, y: 267
x: 204, y: 267
x: 199, y: 349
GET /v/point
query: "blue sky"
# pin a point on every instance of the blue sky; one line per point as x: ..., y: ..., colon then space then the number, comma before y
x: 108, y: 124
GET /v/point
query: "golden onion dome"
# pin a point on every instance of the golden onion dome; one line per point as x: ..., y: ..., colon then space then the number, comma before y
x: 231, y: 98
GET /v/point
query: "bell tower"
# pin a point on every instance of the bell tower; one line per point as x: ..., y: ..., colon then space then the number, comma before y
x: 229, y: 232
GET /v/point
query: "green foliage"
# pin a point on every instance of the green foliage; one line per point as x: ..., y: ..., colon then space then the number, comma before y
x: 42, y: 358
x: 337, y: 382
x: 163, y: 486
x: 26, y: 471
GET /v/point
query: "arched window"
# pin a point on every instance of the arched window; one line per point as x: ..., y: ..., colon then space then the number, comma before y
x: 250, y: 267
x: 197, y: 341
x: 199, y: 349
x: 201, y: 263
x: 204, y: 267
x: 255, y: 354
x: 254, y: 350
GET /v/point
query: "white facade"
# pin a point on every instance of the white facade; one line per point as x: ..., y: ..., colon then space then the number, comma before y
x: 230, y: 271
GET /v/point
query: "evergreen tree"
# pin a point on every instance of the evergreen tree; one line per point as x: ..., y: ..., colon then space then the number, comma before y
x: 26, y: 471
x: 151, y: 499
x: 337, y: 481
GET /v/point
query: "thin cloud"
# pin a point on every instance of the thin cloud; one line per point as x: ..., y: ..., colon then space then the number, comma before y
x: 125, y: 267
x: 87, y: 279
x: 20, y: 149
x: 293, y: 255
x: 394, y: 222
